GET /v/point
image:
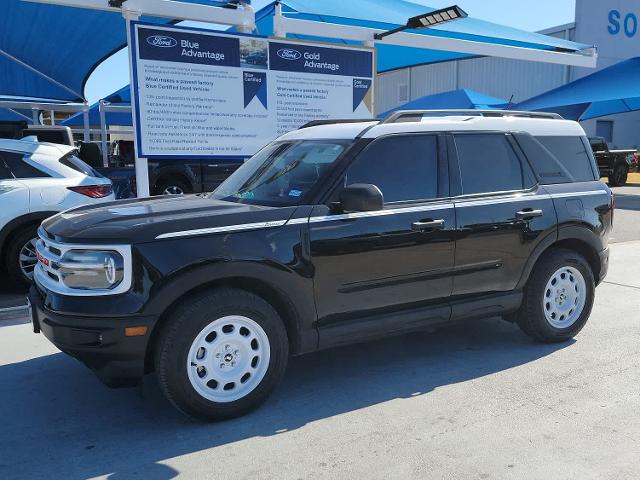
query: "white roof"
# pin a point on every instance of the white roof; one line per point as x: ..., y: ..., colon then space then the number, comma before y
x: 467, y: 123
x: 342, y: 131
x: 33, y: 147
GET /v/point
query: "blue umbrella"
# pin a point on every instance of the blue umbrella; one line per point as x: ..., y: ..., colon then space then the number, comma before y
x: 455, y: 99
x: 615, y: 89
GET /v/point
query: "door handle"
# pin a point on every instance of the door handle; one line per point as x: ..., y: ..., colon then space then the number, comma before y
x: 427, y: 225
x: 528, y: 213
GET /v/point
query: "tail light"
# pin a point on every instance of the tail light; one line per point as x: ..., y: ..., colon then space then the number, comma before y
x: 93, y: 191
x: 635, y: 158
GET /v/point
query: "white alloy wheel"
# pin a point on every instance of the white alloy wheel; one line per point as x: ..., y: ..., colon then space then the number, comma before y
x: 228, y: 359
x: 564, y: 297
x: 28, y: 259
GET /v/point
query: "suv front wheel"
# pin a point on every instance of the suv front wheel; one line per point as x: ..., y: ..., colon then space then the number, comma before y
x: 21, y: 255
x: 221, y: 354
x: 558, y: 297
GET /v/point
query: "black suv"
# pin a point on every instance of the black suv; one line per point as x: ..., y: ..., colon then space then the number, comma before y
x: 331, y: 234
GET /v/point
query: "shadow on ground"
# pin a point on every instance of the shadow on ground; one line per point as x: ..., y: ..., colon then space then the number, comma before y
x: 62, y: 423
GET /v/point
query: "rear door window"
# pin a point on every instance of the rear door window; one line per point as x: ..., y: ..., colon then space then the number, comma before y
x: 20, y: 168
x: 572, y: 154
x: 403, y: 167
x: 488, y: 163
x: 5, y: 173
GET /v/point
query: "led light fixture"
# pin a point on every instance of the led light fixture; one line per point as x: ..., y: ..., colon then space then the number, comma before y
x: 431, y: 19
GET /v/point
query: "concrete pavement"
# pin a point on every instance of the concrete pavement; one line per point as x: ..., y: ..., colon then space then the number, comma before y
x: 473, y: 401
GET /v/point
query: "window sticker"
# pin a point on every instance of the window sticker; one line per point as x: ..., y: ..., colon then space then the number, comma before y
x: 295, y: 193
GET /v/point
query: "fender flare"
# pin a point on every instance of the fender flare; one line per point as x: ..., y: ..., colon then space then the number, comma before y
x: 19, y: 222
x: 291, y: 287
x: 582, y: 233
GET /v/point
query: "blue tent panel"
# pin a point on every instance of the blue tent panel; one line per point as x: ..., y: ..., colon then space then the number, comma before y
x: 112, y: 118
x: 611, y: 90
x: 49, y: 51
x: 455, y: 99
x: 63, y: 44
x: 7, y: 115
x: 388, y: 14
x: 119, y: 97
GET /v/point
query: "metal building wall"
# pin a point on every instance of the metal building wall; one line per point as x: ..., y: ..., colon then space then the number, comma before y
x: 499, y: 77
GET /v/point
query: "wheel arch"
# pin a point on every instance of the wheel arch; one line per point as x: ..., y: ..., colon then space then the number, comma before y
x: 15, y: 225
x: 168, y: 174
x: 577, y: 238
x: 301, y: 337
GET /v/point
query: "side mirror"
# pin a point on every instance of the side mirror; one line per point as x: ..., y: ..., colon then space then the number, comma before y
x: 361, y: 197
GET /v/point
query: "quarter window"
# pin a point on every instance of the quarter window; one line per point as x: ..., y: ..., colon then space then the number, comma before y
x: 571, y: 153
x: 403, y: 167
x: 488, y: 163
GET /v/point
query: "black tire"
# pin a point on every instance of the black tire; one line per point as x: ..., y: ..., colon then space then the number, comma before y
x: 618, y: 177
x: 179, y: 187
x: 531, y: 317
x: 182, y: 329
x: 12, y: 254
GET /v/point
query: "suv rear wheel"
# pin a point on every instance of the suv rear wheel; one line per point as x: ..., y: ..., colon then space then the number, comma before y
x: 619, y: 176
x: 221, y: 354
x: 21, y: 255
x: 558, y: 297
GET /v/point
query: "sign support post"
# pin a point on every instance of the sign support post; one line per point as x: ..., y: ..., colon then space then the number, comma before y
x: 141, y: 164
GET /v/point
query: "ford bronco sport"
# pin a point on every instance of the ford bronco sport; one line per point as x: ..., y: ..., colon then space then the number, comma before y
x: 331, y: 234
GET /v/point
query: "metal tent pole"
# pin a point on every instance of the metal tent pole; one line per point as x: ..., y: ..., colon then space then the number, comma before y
x: 141, y: 164
x: 103, y: 133
x: 85, y: 117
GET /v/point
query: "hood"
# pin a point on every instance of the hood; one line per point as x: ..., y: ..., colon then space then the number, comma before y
x: 142, y: 220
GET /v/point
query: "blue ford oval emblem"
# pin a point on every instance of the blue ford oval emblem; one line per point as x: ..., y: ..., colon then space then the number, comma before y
x: 162, y: 41
x: 289, y: 54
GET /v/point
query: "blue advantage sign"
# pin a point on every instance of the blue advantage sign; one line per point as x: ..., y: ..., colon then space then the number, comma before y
x: 204, y: 94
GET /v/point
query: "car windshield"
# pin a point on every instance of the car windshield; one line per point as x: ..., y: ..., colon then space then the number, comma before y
x: 282, y: 173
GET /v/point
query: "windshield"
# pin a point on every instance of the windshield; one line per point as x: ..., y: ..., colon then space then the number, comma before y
x: 282, y: 173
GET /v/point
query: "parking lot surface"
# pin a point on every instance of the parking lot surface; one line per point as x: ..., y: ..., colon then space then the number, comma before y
x: 474, y: 400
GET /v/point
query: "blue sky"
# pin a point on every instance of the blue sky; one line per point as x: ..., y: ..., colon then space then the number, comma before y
x: 525, y: 15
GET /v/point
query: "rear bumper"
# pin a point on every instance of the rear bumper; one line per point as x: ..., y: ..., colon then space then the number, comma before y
x: 99, y: 343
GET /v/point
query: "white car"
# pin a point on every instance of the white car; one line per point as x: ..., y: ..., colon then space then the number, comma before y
x: 38, y: 180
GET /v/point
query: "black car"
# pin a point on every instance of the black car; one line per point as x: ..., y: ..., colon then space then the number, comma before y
x: 613, y: 164
x: 330, y: 235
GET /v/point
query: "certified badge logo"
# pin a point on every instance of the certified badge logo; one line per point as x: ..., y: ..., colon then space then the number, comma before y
x: 162, y: 41
x: 289, y: 54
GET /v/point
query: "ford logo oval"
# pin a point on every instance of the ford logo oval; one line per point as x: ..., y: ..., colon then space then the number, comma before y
x: 289, y: 54
x: 162, y: 41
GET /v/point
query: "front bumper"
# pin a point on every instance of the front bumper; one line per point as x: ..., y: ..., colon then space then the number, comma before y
x: 98, y: 342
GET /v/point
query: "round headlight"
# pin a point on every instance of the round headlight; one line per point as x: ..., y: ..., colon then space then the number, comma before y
x: 91, y: 269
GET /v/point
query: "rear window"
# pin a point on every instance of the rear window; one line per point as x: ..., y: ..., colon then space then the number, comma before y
x: 572, y: 154
x: 78, y: 165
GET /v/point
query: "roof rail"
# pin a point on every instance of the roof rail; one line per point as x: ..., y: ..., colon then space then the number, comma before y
x: 416, y: 115
x: 315, y: 123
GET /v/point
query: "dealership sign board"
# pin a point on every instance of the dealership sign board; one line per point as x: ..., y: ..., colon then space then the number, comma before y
x: 203, y: 94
